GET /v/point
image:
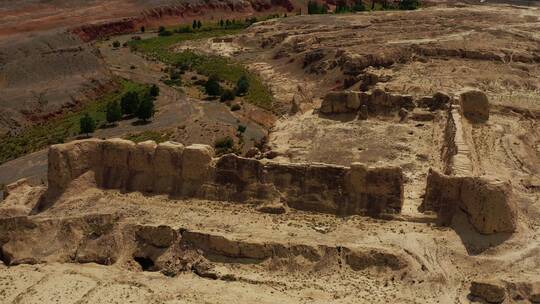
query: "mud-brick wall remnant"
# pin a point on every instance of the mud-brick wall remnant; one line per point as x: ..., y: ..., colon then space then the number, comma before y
x: 379, y: 102
x: 488, y: 203
x: 192, y: 171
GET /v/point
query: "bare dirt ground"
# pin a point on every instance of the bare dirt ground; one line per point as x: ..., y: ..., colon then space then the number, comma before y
x: 408, y: 259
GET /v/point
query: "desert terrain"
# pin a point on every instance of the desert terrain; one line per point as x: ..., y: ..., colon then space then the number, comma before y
x: 378, y: 156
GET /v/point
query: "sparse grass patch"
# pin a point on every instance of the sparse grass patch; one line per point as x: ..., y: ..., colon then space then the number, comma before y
x: 59, y: 129
x: 157, y: 136
x: 224, y: 68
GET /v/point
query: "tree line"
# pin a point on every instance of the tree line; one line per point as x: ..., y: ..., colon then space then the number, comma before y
x: 132, y: 104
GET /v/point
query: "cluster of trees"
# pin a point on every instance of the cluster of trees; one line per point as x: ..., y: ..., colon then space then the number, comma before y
x: 131, y: 104
x: 213, y: 88
x: 409, y: 4
x: 314, y: 8
x: 343, y: 7
x: 228, y: 23
x: 197, y: 24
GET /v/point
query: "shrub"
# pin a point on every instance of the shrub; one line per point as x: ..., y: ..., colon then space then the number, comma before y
x: 116, y: 44
x: 227, y: 95
x: 129, y: 103
x: 359, y: 6
x: 154, y: 91
x: 235, y: 107
x: 114, y: 112
x: 212, y: 86
x: 165, y: 33
x: 241, y: 128
x: 315, y: 8
x: 87, y: 124
x: 242, y: 86
x: 161, y: 29
x: 199, y: 24
x: 184, y: 29
x: 146, y: 108
x: 224, y: 145
x: 143, y: 29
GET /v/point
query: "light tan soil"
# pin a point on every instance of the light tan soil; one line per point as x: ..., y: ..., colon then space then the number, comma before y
x: 492, y: 48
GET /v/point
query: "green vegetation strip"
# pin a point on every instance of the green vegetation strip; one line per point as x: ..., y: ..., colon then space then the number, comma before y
x: 224, y: 68
x: 59, y: 129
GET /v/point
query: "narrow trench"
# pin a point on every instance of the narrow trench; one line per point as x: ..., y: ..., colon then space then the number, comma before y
x: 340, y: 256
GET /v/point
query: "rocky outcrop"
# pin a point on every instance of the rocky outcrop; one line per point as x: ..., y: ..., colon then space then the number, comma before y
x: 170, y: 168
x: 105, y: 239
x: 488, y: 204
x: 490, y: 291
x: 474, y: 106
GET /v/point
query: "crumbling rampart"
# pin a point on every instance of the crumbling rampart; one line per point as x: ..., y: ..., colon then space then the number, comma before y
x: 192, y: 171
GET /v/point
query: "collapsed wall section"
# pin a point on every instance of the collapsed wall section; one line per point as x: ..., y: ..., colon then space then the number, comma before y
x: 488, y: 203
x: 192, y: 171
x: 378, y: 102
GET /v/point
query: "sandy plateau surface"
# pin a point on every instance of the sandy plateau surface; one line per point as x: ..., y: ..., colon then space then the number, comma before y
x: 383, y: 89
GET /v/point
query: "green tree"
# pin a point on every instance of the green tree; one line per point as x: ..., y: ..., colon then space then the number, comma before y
x: 114, y: 112
x: 194, y: 25
x: 359, y: 6
x: 87, y: 124
x: 161, y: 29
x: 146, y: 108
x: 199, y: 24
x: 212, y: 86
x: 154, y: 91
x: 221, y: 23
x: 129, y: 103
x: 242, y: 86
x: 143, y: 29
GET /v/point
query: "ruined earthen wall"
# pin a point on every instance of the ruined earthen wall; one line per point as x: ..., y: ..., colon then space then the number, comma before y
x: 170, y: 168
x: 488, y: 203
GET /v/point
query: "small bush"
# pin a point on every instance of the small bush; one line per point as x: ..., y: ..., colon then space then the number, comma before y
x: 184, y: 29
x: 143, y: 29
x: 315, y: 8
x: 227, y: 95
x: 212, y: 86
x: 116, y: 44
x: 165, y: 33
x: 154, y: 91
x: 224, y: 145
x: 87, y: 124
x: 242, y: 86
x: 235, y: 107
x: 241, y: 128
x: 408, y: 4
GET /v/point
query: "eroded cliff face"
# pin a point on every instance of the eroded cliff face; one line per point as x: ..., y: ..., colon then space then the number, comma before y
x: 192, y: 171
x: 174, y: 12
